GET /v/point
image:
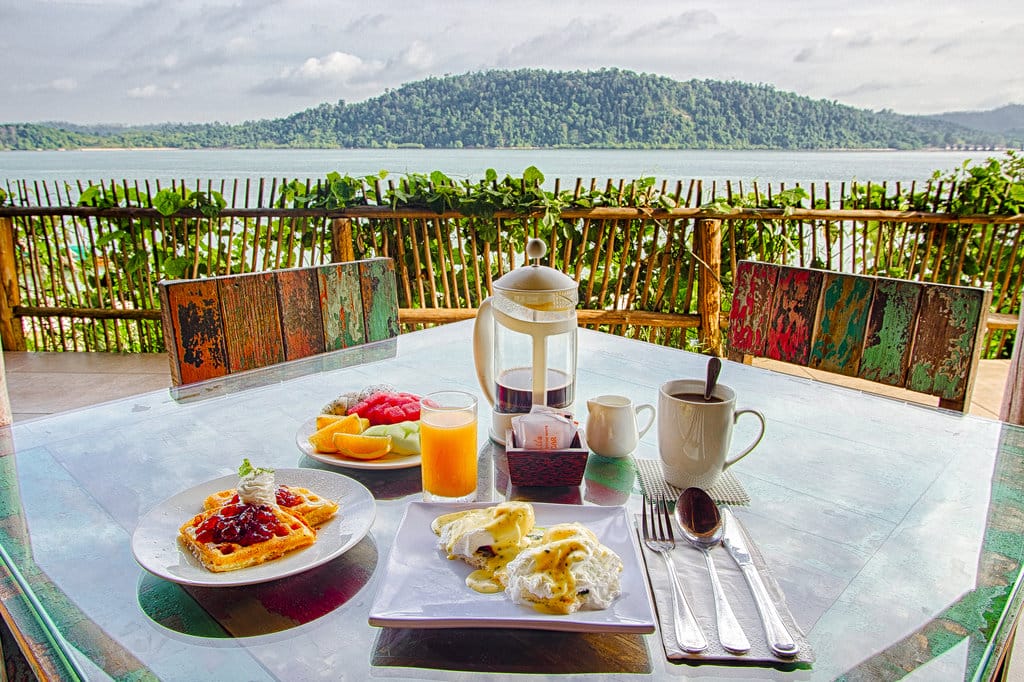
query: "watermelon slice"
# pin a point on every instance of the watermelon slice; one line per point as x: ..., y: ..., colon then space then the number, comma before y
x: 388, y: 407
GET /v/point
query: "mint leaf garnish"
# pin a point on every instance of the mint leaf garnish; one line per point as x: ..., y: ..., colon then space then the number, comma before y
x: 248, y: 469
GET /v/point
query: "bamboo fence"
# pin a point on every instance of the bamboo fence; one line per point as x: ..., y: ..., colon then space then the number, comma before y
x: 78, y: 278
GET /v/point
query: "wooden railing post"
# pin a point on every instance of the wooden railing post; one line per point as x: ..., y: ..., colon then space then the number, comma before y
x: 342, y: 248
x: 709, y: 284
x: 5, y: 401
x: 11, y: 334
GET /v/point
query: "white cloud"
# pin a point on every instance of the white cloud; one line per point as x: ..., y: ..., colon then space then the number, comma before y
x: 57, y: 85
x: 840, y: 33
x: 239, y: 45
x: 145, y: 92
x: 64, y: 84
x: 320, y: 75
x: 337, y: 66
x: 240, y: 60
x: 417, y: 56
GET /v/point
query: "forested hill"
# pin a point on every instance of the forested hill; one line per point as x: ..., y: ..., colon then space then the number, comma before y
x: 609, y: 108
x: 1007, y: 120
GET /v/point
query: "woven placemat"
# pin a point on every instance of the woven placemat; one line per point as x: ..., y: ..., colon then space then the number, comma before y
x: 727, y: 490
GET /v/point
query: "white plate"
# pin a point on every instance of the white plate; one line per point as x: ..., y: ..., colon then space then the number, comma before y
x: 388, y: 461
x: 156, y: 547
x: 422, y: 588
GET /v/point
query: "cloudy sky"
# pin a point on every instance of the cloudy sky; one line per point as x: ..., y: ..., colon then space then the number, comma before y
x: 151, y: 61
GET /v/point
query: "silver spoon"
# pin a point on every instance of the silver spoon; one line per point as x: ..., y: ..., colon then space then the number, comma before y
x: 702, y: 526
x: 714, y: 367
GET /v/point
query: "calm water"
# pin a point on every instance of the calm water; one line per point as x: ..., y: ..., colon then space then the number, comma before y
x: 764, y: 166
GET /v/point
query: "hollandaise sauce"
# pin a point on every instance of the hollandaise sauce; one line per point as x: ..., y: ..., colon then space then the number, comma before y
x: 553, y: 562
x: 487, y: 539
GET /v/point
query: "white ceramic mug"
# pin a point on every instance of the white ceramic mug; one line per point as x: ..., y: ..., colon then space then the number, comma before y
x: 694, y: 436
x: 612, y: 429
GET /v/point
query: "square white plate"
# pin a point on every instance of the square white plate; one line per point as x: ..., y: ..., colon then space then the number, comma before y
x: 422, y: 588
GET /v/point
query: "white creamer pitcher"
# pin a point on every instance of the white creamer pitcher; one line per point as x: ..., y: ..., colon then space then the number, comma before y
x: 612, y: 429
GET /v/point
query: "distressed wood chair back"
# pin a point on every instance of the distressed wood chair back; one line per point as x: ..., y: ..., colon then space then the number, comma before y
x: 920, y: 336
x: 222, y: 325
x: 1013, y: 393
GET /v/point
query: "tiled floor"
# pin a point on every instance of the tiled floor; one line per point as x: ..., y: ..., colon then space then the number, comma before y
x: 986, y: 399
x: 39, y: 384
x: 43, y: 383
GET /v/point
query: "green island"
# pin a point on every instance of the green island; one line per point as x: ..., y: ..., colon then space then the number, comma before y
x: 536, y: 108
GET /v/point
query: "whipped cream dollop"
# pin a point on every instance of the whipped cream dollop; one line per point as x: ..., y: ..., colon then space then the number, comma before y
x: 257, y: 487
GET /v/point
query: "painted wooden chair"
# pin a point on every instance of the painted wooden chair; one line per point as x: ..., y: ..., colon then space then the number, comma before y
x: 920, y: 336
x: 223, y: 325
x: 1013, y: 394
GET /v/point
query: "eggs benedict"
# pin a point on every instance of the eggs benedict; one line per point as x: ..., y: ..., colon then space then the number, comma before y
x: 568, y: 570
x: 486, y: 539
x: 559, y: 570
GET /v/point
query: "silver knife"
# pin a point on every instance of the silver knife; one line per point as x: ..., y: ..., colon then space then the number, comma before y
x: 781, y: 642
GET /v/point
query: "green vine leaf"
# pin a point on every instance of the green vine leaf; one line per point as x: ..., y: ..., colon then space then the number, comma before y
x: 719, y: 205
x: 109, y: 237
x: 168, y: 202
x: 533, y: 176
x: 176, y: 267
x: 137, y: 262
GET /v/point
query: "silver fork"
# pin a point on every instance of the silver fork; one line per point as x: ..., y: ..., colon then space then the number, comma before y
x: 660, y: 538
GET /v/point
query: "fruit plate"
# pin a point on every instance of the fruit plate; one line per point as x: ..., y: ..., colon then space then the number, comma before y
x: 388, y: 461
x: 156, y: 547
x: 421, y: 588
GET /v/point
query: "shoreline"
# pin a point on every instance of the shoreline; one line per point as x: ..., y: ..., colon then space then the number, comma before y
x: 801, y: 167
x: 745, y: 150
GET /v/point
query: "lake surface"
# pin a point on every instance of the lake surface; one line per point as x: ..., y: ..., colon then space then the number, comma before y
x: 772, y: 167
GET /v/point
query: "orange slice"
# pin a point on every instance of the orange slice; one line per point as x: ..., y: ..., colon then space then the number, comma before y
x: 322, y: 439
x: 323, y: 420
x: 362, y: 447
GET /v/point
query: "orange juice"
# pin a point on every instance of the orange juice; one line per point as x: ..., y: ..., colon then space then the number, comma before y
x: 448, y: 451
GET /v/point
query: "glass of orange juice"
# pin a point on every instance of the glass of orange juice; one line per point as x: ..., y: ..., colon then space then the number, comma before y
x: 448, y: 446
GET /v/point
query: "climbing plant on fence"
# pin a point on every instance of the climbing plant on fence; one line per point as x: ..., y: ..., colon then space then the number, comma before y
x: 88, y: 261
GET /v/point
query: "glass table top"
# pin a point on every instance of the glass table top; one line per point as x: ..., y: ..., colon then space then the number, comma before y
x: 892, y: 529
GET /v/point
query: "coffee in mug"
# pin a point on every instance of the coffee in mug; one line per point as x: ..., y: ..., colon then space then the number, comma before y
x: 694, y: 435
x: 696, y: 398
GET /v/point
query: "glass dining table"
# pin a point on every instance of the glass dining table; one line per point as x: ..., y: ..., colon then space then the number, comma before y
x: 894, y: 530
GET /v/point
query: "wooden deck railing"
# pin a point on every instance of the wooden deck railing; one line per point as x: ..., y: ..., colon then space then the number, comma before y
x: 83, y: 278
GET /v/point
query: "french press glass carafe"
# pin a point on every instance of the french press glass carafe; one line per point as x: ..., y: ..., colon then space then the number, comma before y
x: 524, y: 341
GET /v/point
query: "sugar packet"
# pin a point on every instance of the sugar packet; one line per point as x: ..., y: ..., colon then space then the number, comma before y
x: 543, y: 428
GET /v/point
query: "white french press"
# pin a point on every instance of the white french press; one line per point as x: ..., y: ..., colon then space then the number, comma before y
x: 524, y: 341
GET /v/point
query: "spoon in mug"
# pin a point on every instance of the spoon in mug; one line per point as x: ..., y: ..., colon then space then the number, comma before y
x: 702, y: 526
x: 714, y: 367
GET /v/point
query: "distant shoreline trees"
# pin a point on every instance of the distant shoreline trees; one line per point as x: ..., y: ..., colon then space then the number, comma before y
x: 535, y: 108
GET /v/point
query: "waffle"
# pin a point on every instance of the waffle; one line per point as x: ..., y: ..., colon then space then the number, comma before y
x: 302, y: 502
x: 258, y: 533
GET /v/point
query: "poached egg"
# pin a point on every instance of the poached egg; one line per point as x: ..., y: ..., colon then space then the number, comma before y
x: 568, y: 570
x: 487, y: 539
x: 560, y: 570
